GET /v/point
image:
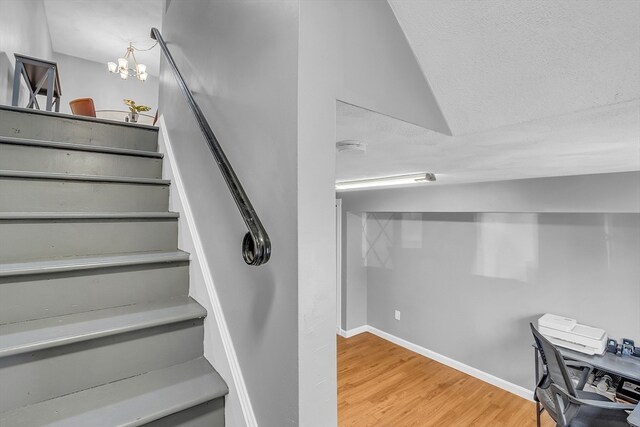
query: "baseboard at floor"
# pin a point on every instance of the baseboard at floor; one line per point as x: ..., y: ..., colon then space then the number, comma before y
x: 353, y: 332
x: 459, y: 366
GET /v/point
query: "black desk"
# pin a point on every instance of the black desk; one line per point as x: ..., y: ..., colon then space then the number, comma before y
x: 628, y: 367
x: 41, y: 78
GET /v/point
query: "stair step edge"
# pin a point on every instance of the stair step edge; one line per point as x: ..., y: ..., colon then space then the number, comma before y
x: 130, y: 402
x: 86, y: 215
x: 34, y: 335
x: 75, y: 177
x: 79, y: 147
x: 64, y: 116
x: 88, y: 263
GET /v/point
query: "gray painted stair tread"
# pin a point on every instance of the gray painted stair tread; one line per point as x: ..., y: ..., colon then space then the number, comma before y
x: 130, y: 402
x: 22, y: 337
x: 79, y: 147
x: 84, y: 263
x: 85, y: 215
x: 72, y: 177
x: 78, y: 118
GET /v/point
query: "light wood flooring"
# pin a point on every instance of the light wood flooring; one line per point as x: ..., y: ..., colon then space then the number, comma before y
x: 382, y: 384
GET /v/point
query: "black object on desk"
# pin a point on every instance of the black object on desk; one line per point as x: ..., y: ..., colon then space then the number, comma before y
x: 41, y: 77
x: 627, y: 367
x: 593, y: 407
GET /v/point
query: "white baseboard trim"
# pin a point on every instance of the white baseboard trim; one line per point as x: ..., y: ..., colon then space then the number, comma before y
x: 230, y: 352
x: 353, y: 332
x: 469, y: 370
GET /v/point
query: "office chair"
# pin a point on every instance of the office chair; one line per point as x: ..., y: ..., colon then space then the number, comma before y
x: 83, y: 107
x: 569, y: 405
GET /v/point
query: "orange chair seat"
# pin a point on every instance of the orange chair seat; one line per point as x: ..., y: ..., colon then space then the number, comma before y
x: 83, y: 107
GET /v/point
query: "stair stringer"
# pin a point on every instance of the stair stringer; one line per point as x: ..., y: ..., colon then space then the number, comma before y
x: 218, y: 345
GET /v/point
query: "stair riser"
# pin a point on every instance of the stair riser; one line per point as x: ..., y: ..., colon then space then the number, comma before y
x: 40, y: 159
x: 24, y: 240
x: 34, y: 377
x: 23, y: 124
x: 42, y: 195
x: 210, y: 414
x: 88, y: 290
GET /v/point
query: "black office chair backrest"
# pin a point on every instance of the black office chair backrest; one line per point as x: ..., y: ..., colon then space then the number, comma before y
x: 554, y: 362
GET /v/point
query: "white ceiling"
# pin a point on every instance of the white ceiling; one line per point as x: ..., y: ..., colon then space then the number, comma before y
x: 529, y: 89
x: 605, y: 139
x: 100, y: 30
x: 493, y: 63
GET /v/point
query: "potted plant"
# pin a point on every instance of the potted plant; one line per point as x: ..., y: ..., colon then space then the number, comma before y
x: 134, y: 110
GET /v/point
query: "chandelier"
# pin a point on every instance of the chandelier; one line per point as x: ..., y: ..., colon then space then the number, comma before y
x: 126, y: 69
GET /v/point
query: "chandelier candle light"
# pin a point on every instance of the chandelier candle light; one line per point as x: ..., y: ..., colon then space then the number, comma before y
x: 122, y: 67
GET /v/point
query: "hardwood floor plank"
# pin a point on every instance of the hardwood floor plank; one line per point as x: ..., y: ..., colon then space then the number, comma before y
x: 383, y: 384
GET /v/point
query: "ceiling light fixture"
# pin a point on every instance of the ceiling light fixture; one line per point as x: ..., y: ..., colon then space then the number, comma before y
x: 414, y: 178
x: 123, y: 68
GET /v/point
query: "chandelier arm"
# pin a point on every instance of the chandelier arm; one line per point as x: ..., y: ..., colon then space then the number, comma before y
x: 142, y: 50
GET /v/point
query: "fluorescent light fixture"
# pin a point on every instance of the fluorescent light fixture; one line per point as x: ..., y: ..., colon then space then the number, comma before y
x: 414, y: 178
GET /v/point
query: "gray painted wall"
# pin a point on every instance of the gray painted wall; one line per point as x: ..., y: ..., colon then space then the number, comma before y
x: 468, y: 284
x: 354, y: 272
x: 241, y: 60
x: 610, y: 192
x: 468, y: 279
x: 23, y: 29
x: 81, y: 78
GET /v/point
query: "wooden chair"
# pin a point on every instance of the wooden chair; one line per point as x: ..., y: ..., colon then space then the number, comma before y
x: 83, y: 107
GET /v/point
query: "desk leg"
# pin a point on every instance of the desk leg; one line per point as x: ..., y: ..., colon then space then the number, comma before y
x: 537, y: 367
x: 17, y: 75
x: 50, y: 77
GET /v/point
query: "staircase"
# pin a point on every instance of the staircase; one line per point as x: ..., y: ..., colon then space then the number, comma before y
x: 96, y: 325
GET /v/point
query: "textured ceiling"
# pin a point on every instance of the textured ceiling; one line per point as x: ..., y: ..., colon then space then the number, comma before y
x: 493, y: 63
x: 600, y: 140
x: 100, y: 30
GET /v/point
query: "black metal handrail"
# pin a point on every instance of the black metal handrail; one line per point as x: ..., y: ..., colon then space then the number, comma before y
x: 256, y: 246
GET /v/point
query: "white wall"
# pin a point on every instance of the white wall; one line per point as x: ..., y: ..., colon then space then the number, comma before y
x: 607, y: 192
x: 23, y: 29
x: 240, y: 58
x: 379, y: 71
x: 318, y: 63
x: 81, y: 78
